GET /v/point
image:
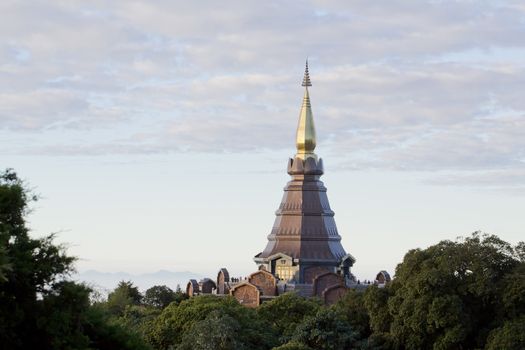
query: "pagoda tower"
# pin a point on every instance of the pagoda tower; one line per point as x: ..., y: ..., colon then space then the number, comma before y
x: 304, y: 241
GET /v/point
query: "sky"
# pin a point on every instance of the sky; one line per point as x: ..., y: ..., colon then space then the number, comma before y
x: 157, y: 133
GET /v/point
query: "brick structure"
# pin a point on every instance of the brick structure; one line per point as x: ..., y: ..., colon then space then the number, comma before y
x: 223, y: 280
x: 246, y: 294
x: 192, y: 288
x: 382, y: 277
x: 207, y: 286
x: 325, y: 280
x: 266, y: 282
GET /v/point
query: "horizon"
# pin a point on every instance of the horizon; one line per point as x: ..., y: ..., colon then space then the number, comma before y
x: 160, y: 140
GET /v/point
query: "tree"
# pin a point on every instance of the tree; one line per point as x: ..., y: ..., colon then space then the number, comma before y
x: 327, y: 330
x: 513, y: 293
x: 175, y: 321
x: 30, y: 267
x: 376, y: 302
x: 106, y: 334
x: 63, y: 314
x: 445, y: 296
x: 4, y: 265
x: 286, y: 311
x: 293, y: 345
x: 511, y: 335
x: 123, y: 295
x: 137, y: 319
x: 352, y: 306
x: 218, y: 332
x: 162, y: 296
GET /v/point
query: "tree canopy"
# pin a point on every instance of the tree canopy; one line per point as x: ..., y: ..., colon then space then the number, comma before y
x: 291, y: 310
x: 450, y: 295
x: 162, y: 296
x: 125, y: 294
x: 326, y: 330
x: 177, y: 320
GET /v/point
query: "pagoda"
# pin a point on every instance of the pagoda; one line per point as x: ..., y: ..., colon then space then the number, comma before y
x: 304, y: 241
x: 304, y: 252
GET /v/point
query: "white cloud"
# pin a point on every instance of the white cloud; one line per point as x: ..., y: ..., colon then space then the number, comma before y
x: 402, y: 85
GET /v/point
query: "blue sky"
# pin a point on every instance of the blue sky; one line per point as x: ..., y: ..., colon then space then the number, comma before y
x: 158, y: 132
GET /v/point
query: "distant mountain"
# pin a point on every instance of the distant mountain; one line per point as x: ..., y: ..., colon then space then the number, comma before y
x: 106, y: 281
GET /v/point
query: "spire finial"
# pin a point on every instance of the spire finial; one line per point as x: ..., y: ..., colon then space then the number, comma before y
x: 306, y: 78
x: 305, y: 138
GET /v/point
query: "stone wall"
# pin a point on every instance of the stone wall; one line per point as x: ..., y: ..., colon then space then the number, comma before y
x: 266, y: 282
x: 321, y: 282
x: 246, y: 294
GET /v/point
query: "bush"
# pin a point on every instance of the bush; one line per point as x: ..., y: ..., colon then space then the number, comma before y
x: 177, y: 320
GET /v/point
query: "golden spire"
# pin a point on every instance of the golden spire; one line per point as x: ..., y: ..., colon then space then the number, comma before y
x: 305, y: 139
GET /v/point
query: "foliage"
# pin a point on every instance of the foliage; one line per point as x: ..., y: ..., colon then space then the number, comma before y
x: 352, y: 306
x: 513, y: 293
x: 107, y: 335
x: 446, y: 296
x: 376, y: 302
x: 68, y: 321
x: 4, y: 264
x: 219, y: 332
x: 286, y: 312
x: 327, y: 330
x: 29, y: 266
x: 137, y: 319
x: 162, y: 296
x: 177, y: 320
x: 125, y: 294
x: 63, y: 314
x: 293, y: 345
x: 511, y: 335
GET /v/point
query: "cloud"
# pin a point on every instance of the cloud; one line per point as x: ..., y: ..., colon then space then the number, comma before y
x: 397, y: 85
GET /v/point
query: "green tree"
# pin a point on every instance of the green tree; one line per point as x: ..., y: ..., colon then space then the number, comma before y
x: 137, y: 319
x: 30, y: 267
x: 63, y: 315
x: 511, y: 335
x: 177, y: 320
x: 162, y: 296
x: 352, y: 306
x: 293, y: 345
x: 327, y: 330
x: 123, y: 295
x: 218, y: 332
x: 106, y: 334
x: 376, y: 301
x: 180, y: 295
x: 513, y: 293
x: 286, y: 311
x: 4, y: 265
x: 446, y: 296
